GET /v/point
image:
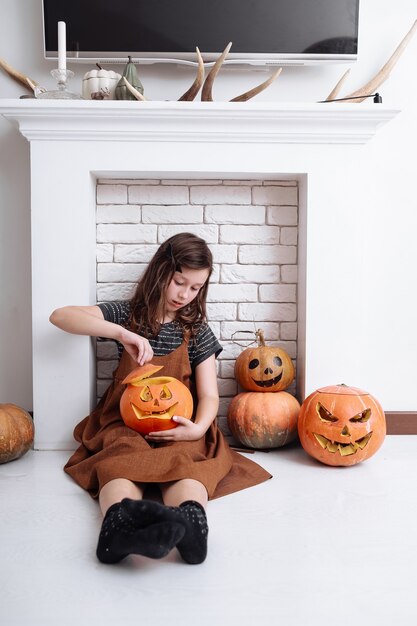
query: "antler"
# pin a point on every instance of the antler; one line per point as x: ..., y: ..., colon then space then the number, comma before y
x: 370, y: 87
x: 206, y: 95
x: 195, y: 87
x: 253, y: 92
x: 18, y: 76
x: 336, y: 89
x: 133, y: 91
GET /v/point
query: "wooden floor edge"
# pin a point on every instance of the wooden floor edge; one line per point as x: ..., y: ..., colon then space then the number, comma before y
x: 401, y: 422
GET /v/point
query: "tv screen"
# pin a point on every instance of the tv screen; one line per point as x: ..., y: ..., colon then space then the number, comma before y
x: 262, y: 31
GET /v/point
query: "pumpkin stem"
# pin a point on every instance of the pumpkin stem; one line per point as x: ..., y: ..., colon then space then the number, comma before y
x: 260, y: 337
x: 99, y: 66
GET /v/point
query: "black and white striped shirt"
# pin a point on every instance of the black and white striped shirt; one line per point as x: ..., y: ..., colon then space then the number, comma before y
x: 170, y: 337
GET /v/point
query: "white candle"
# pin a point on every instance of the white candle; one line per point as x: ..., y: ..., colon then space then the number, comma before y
x: 62, y: 46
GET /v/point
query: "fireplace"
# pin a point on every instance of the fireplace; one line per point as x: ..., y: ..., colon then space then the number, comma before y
x: 319, y: 148
x: 251, y: 227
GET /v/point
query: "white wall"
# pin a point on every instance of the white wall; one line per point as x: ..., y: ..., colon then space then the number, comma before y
x: 387, y: 347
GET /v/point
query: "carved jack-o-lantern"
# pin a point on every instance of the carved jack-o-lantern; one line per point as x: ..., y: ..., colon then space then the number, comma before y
x: 341, y: 425
x: 149, y: 402
x: 264, y: 368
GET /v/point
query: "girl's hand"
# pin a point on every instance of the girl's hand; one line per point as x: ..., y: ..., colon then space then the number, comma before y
x: 138, y: 347
x: 185, y: 431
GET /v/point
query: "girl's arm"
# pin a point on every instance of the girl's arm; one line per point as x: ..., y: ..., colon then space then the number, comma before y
x: 89, y: 320
x: 208, y: 404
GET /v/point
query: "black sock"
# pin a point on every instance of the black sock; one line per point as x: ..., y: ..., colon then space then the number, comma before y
x: 146, y: 512
x: 139, y: 529
x: 193, y: 546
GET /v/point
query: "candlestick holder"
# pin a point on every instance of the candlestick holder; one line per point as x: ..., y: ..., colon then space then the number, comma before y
x: 62, y: 93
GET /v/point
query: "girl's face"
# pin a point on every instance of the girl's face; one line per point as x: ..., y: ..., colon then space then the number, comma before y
x: 183, y: 288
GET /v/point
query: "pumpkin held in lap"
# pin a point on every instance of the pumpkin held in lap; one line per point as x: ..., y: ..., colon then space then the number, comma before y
x: 150, y: 402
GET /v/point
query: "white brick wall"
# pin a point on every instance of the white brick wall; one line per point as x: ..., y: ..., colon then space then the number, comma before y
x: 251, y: 228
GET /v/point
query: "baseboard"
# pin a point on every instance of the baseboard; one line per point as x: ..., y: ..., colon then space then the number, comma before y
x: 401, y: 422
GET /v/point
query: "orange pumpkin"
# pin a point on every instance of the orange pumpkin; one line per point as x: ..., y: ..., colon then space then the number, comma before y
x: 264, y: 368
x: 263, y: 420
x: 341, y: 425
x: 16, y: 432
x: 149, y: 403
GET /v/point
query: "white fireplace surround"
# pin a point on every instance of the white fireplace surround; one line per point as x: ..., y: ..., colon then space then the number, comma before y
x: 72, y: 144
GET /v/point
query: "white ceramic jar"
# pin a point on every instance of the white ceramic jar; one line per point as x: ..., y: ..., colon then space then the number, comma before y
x: 100, y: 84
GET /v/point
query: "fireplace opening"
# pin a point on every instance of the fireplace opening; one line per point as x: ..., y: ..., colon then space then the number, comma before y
x: 251, y: 227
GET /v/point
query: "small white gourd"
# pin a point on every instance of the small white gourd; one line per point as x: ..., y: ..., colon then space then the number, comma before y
x: 100, y: 84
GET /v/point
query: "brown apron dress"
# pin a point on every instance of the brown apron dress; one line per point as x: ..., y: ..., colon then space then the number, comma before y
x: 109, y: 449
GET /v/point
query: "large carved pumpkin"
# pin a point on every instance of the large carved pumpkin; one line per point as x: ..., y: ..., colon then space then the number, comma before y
x: 263, y: 420
x: 341, y: 425
x: 264, y: 368
x: 16, y: 432
x: 149, y: 402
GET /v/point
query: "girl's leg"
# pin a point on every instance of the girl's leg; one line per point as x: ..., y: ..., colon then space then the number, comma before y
x: 132, y: 525
x: 180, y: 491
x: 117, y: 489
x: 190, y: 499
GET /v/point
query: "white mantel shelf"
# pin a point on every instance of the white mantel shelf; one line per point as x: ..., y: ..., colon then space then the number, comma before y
x: 231, y: 122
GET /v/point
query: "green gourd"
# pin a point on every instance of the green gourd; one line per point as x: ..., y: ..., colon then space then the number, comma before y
x: 131, y: 75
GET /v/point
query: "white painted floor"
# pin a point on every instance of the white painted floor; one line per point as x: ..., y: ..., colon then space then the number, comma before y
x: 314, y: 545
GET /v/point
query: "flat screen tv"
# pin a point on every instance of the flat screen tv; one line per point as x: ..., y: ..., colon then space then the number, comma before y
x: 263, y: 32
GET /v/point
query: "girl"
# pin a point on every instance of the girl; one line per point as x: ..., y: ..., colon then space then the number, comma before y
x: 164, y: 322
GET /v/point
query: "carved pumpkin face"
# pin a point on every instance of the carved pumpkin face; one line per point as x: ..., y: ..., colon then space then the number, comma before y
x: 340, y: 425
x: 264, y: 368
x: 149, y: 403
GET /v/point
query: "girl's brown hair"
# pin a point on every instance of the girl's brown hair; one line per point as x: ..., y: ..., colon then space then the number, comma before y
x: 183, y: 250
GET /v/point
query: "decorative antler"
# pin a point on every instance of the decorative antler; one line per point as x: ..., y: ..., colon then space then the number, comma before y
x: 336, y: 89
x: 18, y: 76
x: 253, y: 92
x: 370, y: 87
x: 133, y: 91
x: 206, y: 95
x: 195, y: 87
